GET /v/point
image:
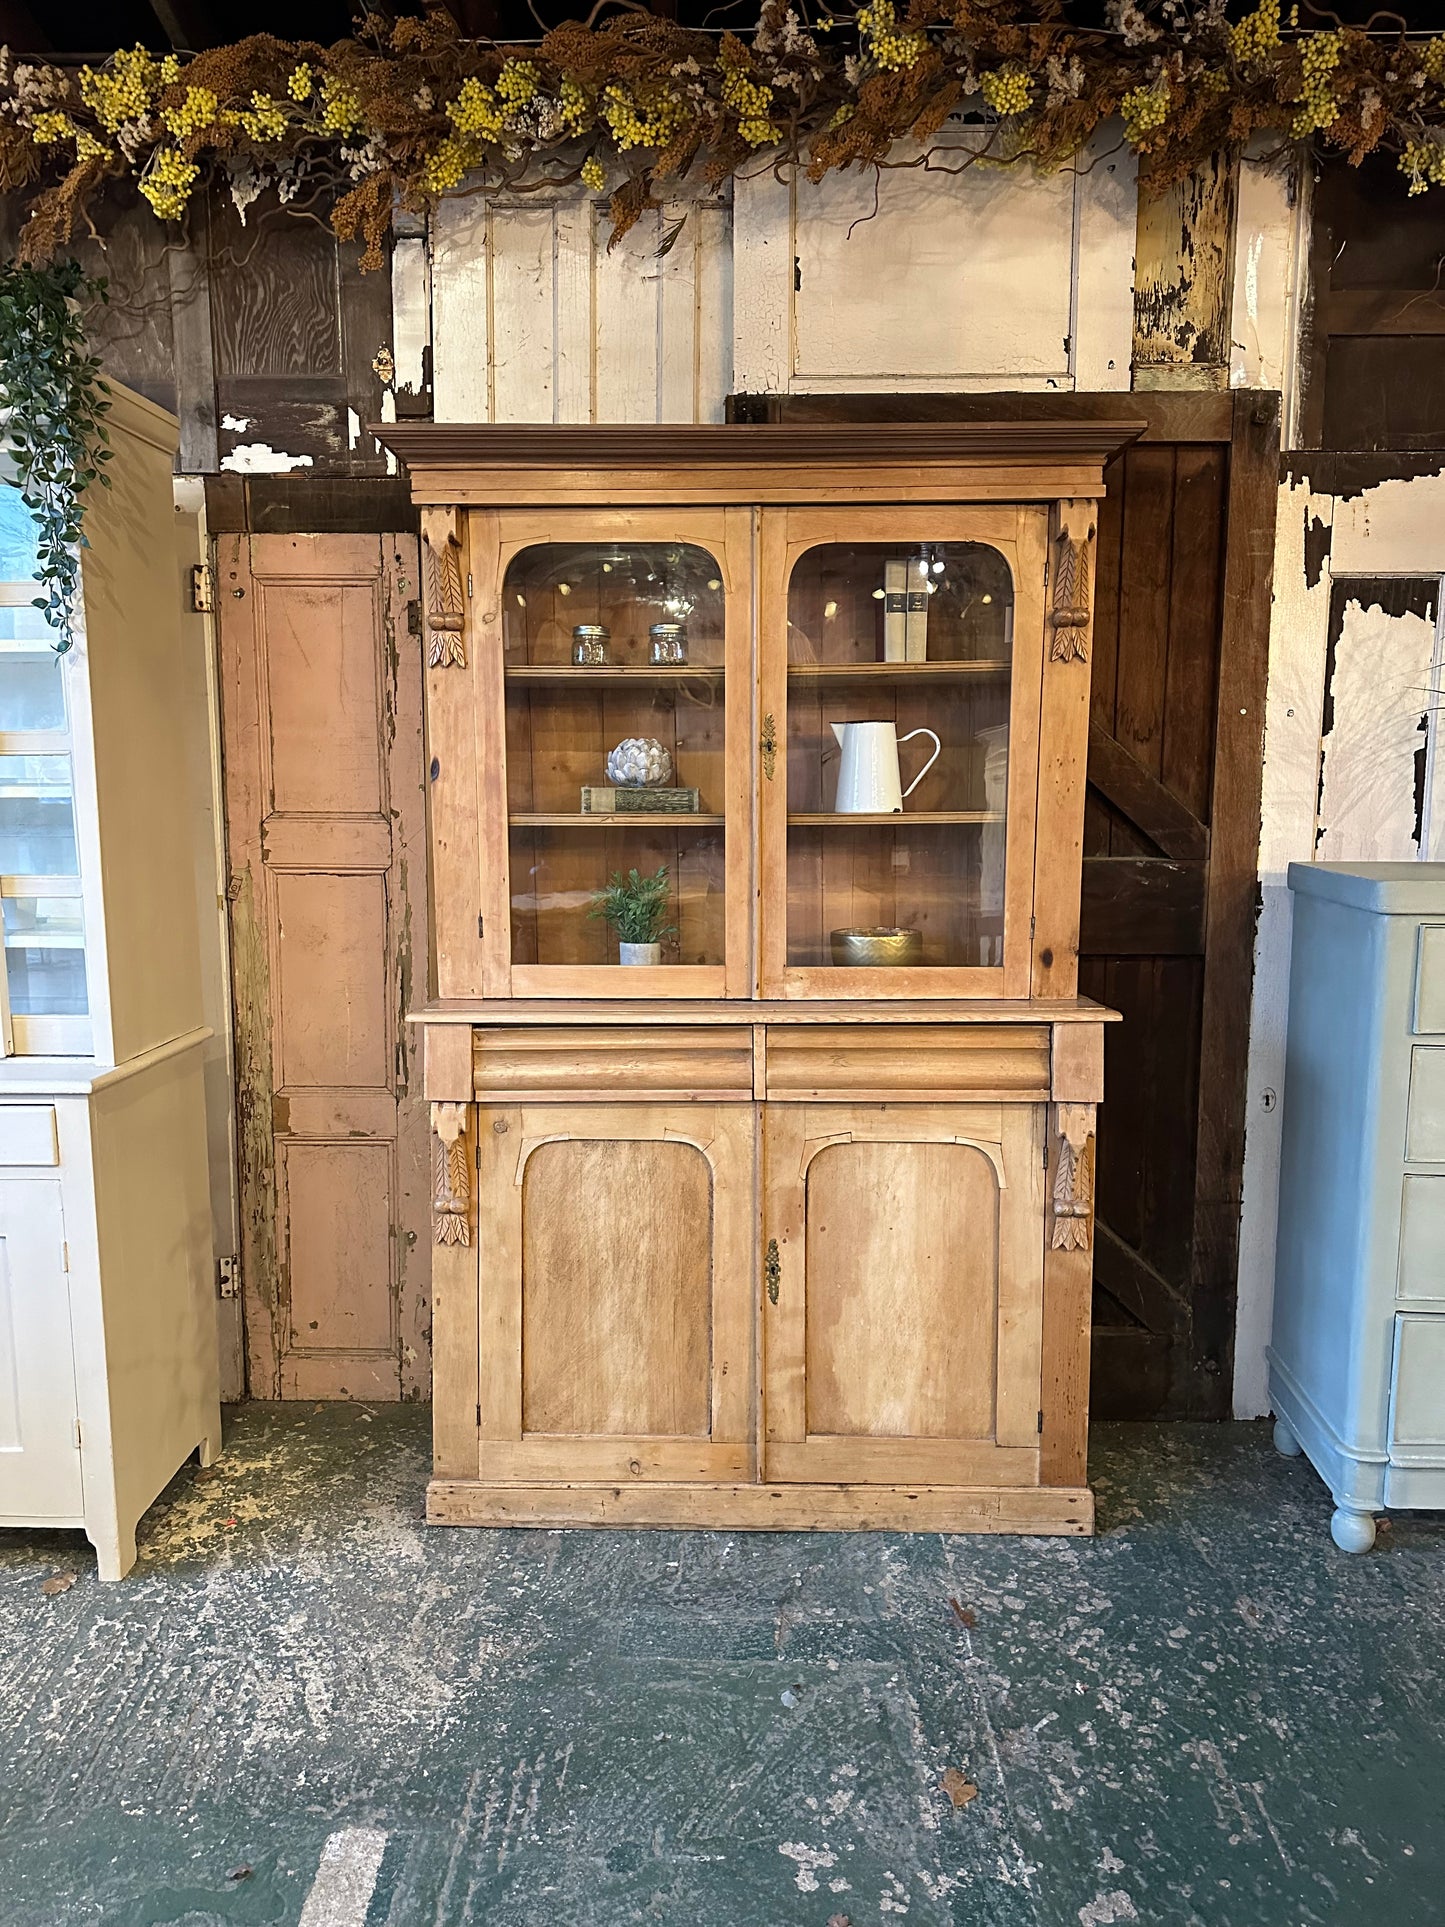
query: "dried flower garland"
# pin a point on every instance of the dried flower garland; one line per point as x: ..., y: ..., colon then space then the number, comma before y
x: 638, y: 102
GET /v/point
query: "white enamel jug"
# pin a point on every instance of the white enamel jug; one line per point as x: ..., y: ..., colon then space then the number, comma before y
x: 868, y: 780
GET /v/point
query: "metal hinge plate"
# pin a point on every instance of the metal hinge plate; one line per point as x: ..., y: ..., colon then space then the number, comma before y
x: 203, y: 590
x: 228, y: 1277
x: 75, y: 1433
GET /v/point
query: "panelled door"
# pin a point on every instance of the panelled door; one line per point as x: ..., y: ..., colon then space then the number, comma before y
x: 321, y: 712
x: 903, y: 1286
x: 619, y: 1267
x: 39, y: 1450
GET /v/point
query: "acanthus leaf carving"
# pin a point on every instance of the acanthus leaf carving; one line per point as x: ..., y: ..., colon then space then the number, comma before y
x: 451, y: 1175
x: 1073, y: 1190
x: 1071, y: 610
x: 445, y: 601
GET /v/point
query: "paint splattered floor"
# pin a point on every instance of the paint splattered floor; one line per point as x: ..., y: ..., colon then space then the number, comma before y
x: 1206, y: 1715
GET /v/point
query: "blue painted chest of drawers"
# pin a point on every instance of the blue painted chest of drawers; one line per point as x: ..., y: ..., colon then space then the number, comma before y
x: 1357, y: 1357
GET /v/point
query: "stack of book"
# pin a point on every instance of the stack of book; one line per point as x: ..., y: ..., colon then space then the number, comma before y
x: 905, y: 611
x: 599, y: 800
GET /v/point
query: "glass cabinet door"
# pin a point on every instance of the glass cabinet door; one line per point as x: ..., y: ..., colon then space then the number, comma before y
x: 626, y: 817
x: 902, y: 658
x: 44, y: 993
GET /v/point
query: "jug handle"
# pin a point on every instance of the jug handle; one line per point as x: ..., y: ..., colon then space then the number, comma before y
x: 937, y: 752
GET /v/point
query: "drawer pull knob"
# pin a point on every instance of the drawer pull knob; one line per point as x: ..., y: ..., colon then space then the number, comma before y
x: 773, y: 1270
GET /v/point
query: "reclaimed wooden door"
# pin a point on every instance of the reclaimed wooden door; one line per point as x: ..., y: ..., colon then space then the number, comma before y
x: 903, y: 1313
x: 325, y: 809
x: 619, y: 1254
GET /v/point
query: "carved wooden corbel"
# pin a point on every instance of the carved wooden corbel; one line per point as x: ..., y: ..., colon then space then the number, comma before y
x: 445, y: 603
x: 1073, y: 1177
x: 1072, y: 609
x: 451, y: 1175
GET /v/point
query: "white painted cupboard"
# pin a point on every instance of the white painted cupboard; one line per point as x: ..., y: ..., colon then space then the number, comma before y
x: 108, y: 1355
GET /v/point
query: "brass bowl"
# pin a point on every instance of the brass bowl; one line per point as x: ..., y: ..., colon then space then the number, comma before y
x: 882, y: 947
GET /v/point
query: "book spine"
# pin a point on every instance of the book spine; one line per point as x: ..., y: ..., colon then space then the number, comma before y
x: 895, y: 611
x: 916, y: 623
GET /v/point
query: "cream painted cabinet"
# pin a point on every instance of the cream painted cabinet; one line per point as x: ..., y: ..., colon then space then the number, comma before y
x: 108, y: 1344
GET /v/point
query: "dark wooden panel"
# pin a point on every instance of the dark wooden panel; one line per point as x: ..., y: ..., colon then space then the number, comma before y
x: 1167, y: 417
x: 1385, y: 391
x: 281, y: 314
x: 1122, y: 780
x: 1142, y: 907
x: 1195, y: 583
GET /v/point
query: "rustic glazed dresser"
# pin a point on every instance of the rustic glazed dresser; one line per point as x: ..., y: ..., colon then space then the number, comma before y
x: 776, y: 1230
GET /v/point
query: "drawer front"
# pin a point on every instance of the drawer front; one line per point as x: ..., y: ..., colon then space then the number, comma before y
x: 858, y: 1061
x: 1422, y: 1240
x: 1430, y: 978
x: 27, y: 1134
x: 1425, y: 1125
x: 562, y: 1062
x: 1417, y: 1404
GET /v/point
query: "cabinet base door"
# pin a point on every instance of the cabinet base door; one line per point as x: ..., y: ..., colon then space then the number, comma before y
x: 39, y: 1452
x: 904, y: 1294
x: 618, y: 1265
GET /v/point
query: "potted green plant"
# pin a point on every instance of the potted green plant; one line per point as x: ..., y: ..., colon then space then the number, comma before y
x: 636, y: 908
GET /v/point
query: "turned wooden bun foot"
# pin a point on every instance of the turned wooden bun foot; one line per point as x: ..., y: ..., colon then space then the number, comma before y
x: 1285, y: 1442
x: 1352, y: 1531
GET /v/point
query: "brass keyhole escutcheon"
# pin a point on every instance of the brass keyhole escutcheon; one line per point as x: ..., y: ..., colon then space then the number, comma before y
x: 773, y: 1270
x: 768, y: 746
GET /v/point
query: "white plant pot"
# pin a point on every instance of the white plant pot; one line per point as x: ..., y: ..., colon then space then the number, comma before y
x: 640, y: 953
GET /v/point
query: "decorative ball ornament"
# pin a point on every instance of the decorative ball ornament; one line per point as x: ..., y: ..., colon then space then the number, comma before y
x: 639, y: 762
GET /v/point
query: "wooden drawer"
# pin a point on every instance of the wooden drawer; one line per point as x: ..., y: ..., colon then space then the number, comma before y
x: 564, y: 1062
x: 27, y: 1134
x: 864, y: 1062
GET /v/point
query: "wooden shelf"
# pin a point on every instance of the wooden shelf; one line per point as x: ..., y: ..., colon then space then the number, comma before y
x: 527, y: 675
x: 899, y: 671
x: 824, y: 819
x: 601, y: 820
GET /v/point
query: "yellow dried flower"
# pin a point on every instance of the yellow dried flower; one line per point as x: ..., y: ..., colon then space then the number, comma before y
x: 1424, y: 161
x: 1144, y: 111
x: 1317, y: 107
x: 301, y: 82
x: 49, y: 127
x: 168, y: 181
x: 573, y: 107
x: 195, y: 111
x: 88, y: 148
x: 634, y: 125
x: 340, y: 107
x: 890, y: 45
x: 1009, y: 91
x: 476, y: 111
x: 449, y: 163
x: 750, y: 100
x: 593, y: 175
x: 1432, y: 59
x: 1257, y: 35
x: 516, y: 83
x: 266, y: 118
x: 122, y: 91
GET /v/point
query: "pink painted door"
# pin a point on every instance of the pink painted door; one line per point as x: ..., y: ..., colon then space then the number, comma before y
x: 324, y: 771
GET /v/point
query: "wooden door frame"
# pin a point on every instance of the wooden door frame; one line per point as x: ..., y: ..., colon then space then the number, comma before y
x: 1247, y: 421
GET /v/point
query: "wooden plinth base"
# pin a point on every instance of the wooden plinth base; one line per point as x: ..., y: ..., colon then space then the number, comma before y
x: 767, y: 1508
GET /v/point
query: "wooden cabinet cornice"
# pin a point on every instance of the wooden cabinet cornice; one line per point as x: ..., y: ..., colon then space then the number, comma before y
x: 773, y: 1208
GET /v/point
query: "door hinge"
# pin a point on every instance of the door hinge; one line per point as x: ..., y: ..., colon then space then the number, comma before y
x: 203, y: 590
x: 65, y: 1254
x: 75, y: 1432
x: 481, y: 931
x: 1041, y: 1419
x: 469, y: 585
x: 773, y: 1270
x: 479, y: 1418
x: 227, y: 1277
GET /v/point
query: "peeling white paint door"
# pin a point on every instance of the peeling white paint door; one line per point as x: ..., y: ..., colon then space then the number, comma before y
x: 321, y: 711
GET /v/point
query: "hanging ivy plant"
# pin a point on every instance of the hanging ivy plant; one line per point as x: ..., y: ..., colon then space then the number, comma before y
x: 53, y: 404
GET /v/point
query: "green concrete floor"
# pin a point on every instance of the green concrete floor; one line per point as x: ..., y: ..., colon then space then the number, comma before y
x: 1205, y: 1715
